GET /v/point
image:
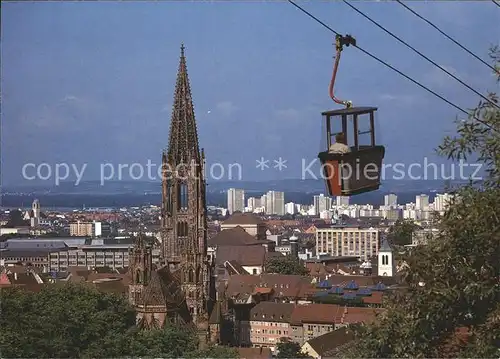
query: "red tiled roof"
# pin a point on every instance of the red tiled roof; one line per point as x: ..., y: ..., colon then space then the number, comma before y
x: 22, y: 278
x: 244, y: 219
x: 272, y: 312
x: 327, y: 343
x: 261, y: 290
x: 316, y: 313
x: 236, y: 236
x: 246, y: 256
x: 375, y: 298
x: 283, y: 285
x: 352, y: 315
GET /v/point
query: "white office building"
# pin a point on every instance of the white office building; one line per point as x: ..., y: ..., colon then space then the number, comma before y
x: 342, y: 201
x: 390, y: 200
x: 321, y: 203
x: 235, y: 200
x: 422, y: 202
x: 290, y: 208
x: 275, y: 203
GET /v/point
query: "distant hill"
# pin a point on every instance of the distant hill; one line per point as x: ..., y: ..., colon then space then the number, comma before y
x: 130, y: 193
x: 286, y: 185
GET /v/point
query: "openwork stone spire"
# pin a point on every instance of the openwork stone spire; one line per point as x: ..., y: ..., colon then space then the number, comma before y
x: 183, y: 139
x: 184, y: 224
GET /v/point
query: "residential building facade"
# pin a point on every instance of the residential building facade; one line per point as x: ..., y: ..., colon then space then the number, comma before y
x: 347, y: 241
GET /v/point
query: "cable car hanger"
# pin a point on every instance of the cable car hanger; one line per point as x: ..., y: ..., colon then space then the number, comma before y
x: 340, y: 41
x: 399, y: 72
x: 338, y: 162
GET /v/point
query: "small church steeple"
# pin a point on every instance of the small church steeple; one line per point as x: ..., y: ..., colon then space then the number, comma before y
x: 385, y: 260
x: 35, y: 215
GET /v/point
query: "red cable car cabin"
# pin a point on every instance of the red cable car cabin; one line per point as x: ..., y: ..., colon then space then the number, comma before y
x: 358, y: 171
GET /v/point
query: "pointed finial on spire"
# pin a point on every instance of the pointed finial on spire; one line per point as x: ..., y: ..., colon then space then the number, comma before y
x: 182, y: 49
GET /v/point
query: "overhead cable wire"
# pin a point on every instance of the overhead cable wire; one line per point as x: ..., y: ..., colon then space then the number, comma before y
x: 445, y: 34
x: 494, y: 2
x: 420, y: 54
x: 394, y: 69
x: 314, y: 17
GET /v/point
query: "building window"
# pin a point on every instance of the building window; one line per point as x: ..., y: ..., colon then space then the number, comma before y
x: 182, y: 200
x: 169, y: 197
x: 198, y: 275
x: 182, y: 229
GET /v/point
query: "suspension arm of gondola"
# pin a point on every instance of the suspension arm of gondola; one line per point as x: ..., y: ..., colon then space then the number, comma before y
x: 340, y: 41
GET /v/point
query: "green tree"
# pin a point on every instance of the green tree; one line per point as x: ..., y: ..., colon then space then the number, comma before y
x: 63, y: 321
x: 288, y: 349
x: 285, y: 265
x: 214, y: 352
x: 454, y: 281
x: 77, y: 321
x: 170, y: 342
x: 16, y: 219
x: 401, y: 233
x: 336, y: 299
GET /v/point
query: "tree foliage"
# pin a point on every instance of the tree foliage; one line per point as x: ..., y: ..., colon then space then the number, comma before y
x: 401, y: 233
x: 288, y: 349
x: 337, y: 299
x: 286, y: 265
x: 16, y: 219
x: 77, y: 321
x: 479, y: 138
x: 214, y: 352
x: 453, y: 283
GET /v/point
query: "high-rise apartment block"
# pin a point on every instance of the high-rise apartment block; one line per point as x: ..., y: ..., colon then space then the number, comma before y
x: 422, y: 202
x: 275, y: 203
x: 390, y: 200
x: 235, y: 200
x: 442, y: 201
x: 342, y: 201
x: 253, y: 203
x: 321, y: 204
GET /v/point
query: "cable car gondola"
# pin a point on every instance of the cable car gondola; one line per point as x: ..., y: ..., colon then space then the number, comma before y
x: 355, y: 168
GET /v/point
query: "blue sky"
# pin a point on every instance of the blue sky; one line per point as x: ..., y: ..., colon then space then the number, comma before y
x: 93, y: 82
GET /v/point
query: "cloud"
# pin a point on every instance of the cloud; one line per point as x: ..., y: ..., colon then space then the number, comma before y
x: 70, y: 113
x: 289, y: 114
x: 70, y: 98
x: 227, y: 108
x: 397, y: 98
x: 439, y: 78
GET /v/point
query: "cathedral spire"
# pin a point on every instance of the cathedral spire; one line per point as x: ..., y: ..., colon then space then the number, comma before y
x: 183, y: 139
x: 184, y: 224
x: 139, y: 242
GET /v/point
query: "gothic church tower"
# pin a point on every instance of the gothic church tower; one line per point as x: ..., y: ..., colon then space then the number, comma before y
x: 184, y: 225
